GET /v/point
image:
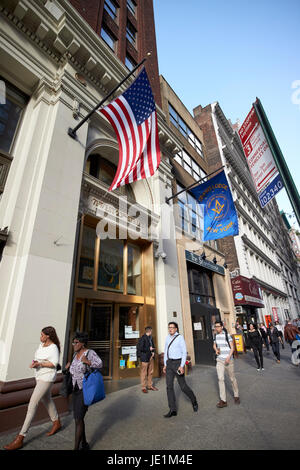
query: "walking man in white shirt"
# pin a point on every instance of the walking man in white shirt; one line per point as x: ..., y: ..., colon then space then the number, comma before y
x: 174, y: 362
x: 223, y: 345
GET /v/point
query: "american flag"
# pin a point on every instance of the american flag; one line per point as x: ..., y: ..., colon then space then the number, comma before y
x: 133, y: 117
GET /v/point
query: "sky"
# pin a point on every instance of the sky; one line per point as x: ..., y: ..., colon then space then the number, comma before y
x: 232, y: 52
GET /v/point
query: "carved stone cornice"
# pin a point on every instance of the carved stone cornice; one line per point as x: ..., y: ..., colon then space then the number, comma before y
x: 116, y: 208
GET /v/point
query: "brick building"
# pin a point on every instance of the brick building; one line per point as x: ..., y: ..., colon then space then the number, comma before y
x: 256, y: 254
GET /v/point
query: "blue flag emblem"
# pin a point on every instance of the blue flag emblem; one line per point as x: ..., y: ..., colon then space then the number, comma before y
x: 220, y: 217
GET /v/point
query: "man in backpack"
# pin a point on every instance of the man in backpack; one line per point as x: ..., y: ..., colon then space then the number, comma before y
x: 145, y: 349
x: 174, y: 362
x: 224, y: 348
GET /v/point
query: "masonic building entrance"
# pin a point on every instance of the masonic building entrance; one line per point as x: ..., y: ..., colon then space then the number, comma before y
x: 113, y: 334
x: 114, y: 298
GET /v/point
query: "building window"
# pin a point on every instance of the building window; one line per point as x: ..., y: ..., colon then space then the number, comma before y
x: 111, y: 9
x: 189, y: 164
x: 105, y: 263
x: 131, y: 5
x: 134, y: 270
x: 86, y: 265
x: 201, y: 287
x: 131, y: 33
x: 105, y: 171
x: 110, y: 273
x: 185, y: 130
x: 190, y: 214
x: 108, y: 38
x: 12, y: 105
x: 130, y: 63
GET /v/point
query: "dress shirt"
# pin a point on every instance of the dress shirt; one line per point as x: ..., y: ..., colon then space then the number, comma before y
x: 177, y: 349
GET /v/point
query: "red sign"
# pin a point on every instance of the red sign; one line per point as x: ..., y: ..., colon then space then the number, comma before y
x: 246, y: 292
x: 275, y: 313
x: 257, y: 151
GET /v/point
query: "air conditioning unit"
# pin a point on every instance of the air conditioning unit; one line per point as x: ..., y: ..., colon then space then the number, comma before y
x: 238, y: 309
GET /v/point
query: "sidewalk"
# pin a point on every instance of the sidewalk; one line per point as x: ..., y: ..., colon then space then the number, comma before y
x: 267, y: 418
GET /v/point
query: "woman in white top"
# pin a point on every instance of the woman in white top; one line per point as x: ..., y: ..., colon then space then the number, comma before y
x: 45, y: 363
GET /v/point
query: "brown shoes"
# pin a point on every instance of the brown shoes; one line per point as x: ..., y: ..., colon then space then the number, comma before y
x: 152, y: 388
x: 237, y: 400
x: 144, y: 390
x: 222, y: 404
x: 55, y: 427
x: 16, y: 444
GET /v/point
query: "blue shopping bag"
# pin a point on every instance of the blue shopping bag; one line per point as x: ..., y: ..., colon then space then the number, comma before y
x: 93, y: 387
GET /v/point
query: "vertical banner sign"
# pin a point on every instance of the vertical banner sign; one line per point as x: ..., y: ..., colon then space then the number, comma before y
x: 275, y: 313
x: 260, y: 160
x: 220, y: 217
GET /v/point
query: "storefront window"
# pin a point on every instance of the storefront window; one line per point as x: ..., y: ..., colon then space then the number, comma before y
x: 86, y: 266
x: 134, y: 277
x: 110, y: 274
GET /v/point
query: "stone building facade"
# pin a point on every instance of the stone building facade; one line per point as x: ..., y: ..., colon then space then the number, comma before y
x: 55, y: 270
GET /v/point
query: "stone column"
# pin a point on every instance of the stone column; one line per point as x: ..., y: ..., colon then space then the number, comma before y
x: 40, y: 206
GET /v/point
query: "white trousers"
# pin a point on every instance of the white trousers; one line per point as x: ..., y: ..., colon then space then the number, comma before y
x: 221, y: 368
x: 41, y: 392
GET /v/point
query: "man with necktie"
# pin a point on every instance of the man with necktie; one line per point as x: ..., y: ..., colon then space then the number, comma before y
x: 174, y: 362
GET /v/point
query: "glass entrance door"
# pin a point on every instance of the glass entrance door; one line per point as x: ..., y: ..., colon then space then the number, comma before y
x: 99, y: 325
x: 203, y: 320
x: 126, y: 326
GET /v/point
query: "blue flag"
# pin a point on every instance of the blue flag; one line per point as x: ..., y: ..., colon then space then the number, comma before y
x: 220, y: 218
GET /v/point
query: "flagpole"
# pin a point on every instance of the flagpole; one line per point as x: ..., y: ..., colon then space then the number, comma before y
x: 72, y: 132
x: 196, y: 182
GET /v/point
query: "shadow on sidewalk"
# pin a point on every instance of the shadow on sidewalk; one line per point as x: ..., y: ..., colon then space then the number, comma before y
x: 115, y: 413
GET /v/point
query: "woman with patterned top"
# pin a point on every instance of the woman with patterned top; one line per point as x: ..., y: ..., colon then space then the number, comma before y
x: 83, y: 357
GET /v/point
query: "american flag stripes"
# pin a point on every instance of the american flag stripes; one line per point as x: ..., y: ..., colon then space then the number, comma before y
x: 133, y: 117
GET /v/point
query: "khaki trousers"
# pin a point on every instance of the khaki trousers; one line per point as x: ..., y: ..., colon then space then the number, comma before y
x: 146, y: 373
x: 221, y: 368
x: 42, y: 392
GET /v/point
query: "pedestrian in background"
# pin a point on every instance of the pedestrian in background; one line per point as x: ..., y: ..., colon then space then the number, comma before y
x: 264, y: 335
x: 280, y: 329
x: 224, y: 348
x: 45, y: 364
x: 290, y: 333
x: 274, y: 341
x: 146, y: 348
x: 256, y: 342
x: 174, y: 362
x: 83, y: 357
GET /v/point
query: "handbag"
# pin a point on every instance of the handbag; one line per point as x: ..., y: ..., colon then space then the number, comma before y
x: 92, y: 386
x: 67, y: 384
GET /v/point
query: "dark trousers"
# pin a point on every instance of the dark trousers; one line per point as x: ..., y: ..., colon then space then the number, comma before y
x: 265, y: 340
x: 276, y: 350
x: 281, y: 338
x: 171, y: 373
x: 257, y: 350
